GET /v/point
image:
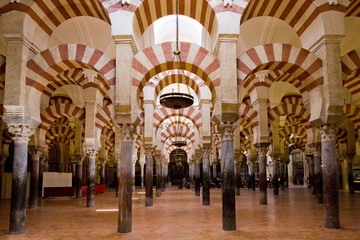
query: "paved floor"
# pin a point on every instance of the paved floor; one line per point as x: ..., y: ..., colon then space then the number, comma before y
x: 178, y: 214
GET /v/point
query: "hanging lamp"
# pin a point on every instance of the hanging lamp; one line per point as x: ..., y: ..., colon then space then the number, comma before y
x: 177, y: 99
x: 178, y: 143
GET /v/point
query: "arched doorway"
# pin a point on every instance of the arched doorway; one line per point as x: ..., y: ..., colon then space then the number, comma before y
x: 178, y: 166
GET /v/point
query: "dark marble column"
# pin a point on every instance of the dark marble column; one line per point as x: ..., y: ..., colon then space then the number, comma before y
x: 35, y: 152
x: 142, y: 164
x: 282, y: 174
x: 227, y: 176
x: 206, y: 176
x: 79, y: 175
x: 41, y: 174
x: 125, y: 180
x: 158, y: 175
x: 2, y: 164
x: 329, y: 175
x: 102, y: 176
x: 117, y: 180
x: 310, y: 160
x: 197, y: 175
x: 21, y: 137
x: 237, y: 167
x: 191, y: 172
x: 318, y: 186
x: 262, y: 149
x: 214, y: 169
x: 350, y: 159
x: 275, y: 174
x: 163, y: 174
x: 149, y: 177
x: 91, y: 154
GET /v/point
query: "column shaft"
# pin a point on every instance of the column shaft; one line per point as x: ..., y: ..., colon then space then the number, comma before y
x: 282, y: 175
x: 34, y: 182
x: 149, y: 178
x: 91, y: 182
x: 350, y: 176
x: 158, y: 179
x: 262, y: 180
x: 237, y: 177
x: 197, y: 179
x: 276, y: 177
x: 78, y: 179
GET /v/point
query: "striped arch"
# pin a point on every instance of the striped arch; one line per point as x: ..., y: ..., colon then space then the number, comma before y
x: 59, y: 139
x: 151, y: 10
x: 169, y: 147
x: 291, y: 106
x: 352, y: 113
x: 299, y: 14
x: 296, y: 130
x: 296, y: 143
x: 341, y: 136
x: 138, y: 142
x: 44, y: 67
x: 190, y: 114
x: 350, y: 64
x: 303, y: 65
x: 109, y: 137
x: 59, y: 131
x: 104, y: 117
x: 183, y: 130
x: 50, y: 14
x: 353, y: 10
x: 158, y: 58
x: 248, y: 116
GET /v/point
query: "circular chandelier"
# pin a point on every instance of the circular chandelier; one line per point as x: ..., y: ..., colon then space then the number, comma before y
x: 177, y: 143
x: 177, y: 99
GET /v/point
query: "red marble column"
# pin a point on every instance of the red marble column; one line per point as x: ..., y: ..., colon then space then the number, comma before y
x: 329, y: 175
x: 125, y: 181
x: 262, y: 149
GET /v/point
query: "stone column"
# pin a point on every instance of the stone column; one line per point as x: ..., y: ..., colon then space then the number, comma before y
x: 158, y: 175
x: 214, y: 163
x: 142, y: 164
x: 166, y: 175
x: 91, y: 154
x: 79, y: 174
x: 35, y: 152
x: 103, y: 166
x: 125, y: 181
x: 310, y: 160
x: 149, y: 177
x: 349, y: 160
x: 237, y: 167
x: 206, y: 177
x: 133, y: 172
x: 118, y: 169
x: 227, y: 176
x: 329, y: 176
x: 191, y: 172
x: 21, y: 135
x: 318, y: 186
x: 282, y: 174
x: 261, y: 149
x: 43, y: 159
x: 197, y: 175
x: 275, y: 159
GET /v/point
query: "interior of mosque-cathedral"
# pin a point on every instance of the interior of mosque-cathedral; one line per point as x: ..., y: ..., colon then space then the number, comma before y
x: 275, y: 88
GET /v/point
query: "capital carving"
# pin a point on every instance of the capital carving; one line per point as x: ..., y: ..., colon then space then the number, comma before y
x: 91, y: 153
x: 262, y: 148
x: 197, y: 159
x: 127, y: 131
x: 333, y: 2
x: 206, y: 152
x: 21, y: 133
x: 36, y: 152
x: 315, y: 149
x: 103, y: 161
x: 227, y: 130
x: 328, y: 133
x: 149, y: 151
x: 117, y: 158
x: 90, y: 74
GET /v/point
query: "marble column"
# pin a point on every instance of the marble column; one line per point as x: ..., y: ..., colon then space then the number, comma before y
x: 214, y: 169
x: 349, y: 160
x: 227, y: 176
x: 206, y: 176
x: 237, y: 167
x: 2, y: 164
x: 102, y: 176
x: 79, y: 175
x: 318, y: 186
x: 125, y: 180
x: 275, y: 159
x: 142, y: 164
x: 262, y: 149
x: 191, y: 172
x: 310, y: 160
x: 163, y: 163
x: 329, y: 176
x: 149, y: 177
x: 91, y: 154
x: 282, y: 174
x: 158, y: 175
x: 21, y: 135
x: 35, y: 152
x: 197, y: 175
x: 166, y: 171
x: 41, y: 173
x: 118, y: 170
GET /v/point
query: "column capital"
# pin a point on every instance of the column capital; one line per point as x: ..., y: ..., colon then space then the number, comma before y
x: 127, y: 131
x: 328, y: 132
x: 197, y: 159
x: 91, y: 152
x: 117, y: 158
x: 36, y: 152
x: 103, y: 161
x: 149, y: 152
x: 21, y: 132
x: 315, y: 149
x: 227, y: 130
x: 262, y: 148
x: 237, y: 158
x: 79, y: 159
x: 206, y: 152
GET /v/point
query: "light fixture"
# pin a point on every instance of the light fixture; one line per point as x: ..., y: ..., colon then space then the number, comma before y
x: 177, y: 99
x: 177, y: 143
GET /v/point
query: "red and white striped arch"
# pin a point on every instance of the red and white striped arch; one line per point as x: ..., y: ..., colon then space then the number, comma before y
x: 297, y: 143
x: 49, y: 14
x: 109, y: 137
x: 353, y: 9
x: 138, y: 142
x: 169, y: 147
x: 59, y: 131
x: 158, y: 58
x: 299, y: 14
x: 352, y: 113
x: 298, y: 130
x: 182, y: 129
x: 162, y: 114
x: 350, y: 64
x: 44, y: 67
x: 105, y: 117
x: 248, y: 116
x: 304, y: 66
x: 59, y: 139
x: 291, y: 106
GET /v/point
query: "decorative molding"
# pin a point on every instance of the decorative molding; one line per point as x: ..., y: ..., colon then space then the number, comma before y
x: 333, y: 2
x: 262, y: 75
x: 227, y: 130
x: 21, y: 132
x: 90, y: 74
x: 127, y: 131
x: 149, y: 152
x: 91, y: 152
x: 228, y: 3
x: 36, y: 152
x: 328, y: 133
x: 262, y: 149
x: 14, y: 1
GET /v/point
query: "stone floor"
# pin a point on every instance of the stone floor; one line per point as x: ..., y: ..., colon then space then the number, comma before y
x: 178, y: 214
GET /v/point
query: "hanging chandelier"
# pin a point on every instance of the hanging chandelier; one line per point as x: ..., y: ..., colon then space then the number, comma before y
x: 178, y: 143
x: 177, y: 99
